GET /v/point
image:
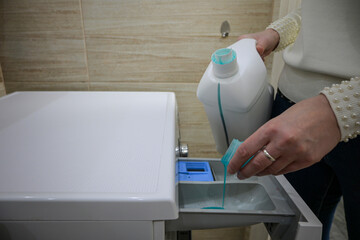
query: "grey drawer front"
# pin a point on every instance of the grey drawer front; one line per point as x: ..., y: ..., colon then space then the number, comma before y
x: 269, y: 200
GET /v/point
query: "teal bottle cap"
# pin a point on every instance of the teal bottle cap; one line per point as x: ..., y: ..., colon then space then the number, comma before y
x: 224, y: 62
x: 223, y: 56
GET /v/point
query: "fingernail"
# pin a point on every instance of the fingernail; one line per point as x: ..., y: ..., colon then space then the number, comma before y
x: 240, y: 176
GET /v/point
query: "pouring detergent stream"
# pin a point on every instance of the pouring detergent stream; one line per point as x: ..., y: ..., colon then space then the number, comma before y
x: 225, y: 161
x: 236, y: 97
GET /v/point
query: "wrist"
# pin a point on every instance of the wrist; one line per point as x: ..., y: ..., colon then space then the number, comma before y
x: 274, y: 38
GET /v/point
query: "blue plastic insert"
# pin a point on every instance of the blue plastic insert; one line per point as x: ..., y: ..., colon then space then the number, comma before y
x: 194, y: 171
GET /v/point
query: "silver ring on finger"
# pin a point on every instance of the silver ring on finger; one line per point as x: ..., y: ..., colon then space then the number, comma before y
x: 268, y: 156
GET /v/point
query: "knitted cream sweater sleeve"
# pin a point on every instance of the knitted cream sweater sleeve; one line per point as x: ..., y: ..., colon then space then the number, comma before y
x: 344, y: 100
x: 288, y: 28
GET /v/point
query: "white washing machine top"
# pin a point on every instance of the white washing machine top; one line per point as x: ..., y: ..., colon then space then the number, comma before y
x: 87, y: 156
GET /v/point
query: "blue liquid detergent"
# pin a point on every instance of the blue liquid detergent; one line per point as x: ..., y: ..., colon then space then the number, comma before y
x: 225, y: 171
x: 225, y: 161
x: 212, y: 208
x: 223, y: 199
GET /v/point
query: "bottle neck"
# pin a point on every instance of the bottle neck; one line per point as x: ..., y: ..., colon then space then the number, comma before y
x: 224, y: 63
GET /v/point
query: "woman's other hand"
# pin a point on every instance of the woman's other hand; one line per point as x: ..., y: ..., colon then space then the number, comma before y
x: 266, y: 41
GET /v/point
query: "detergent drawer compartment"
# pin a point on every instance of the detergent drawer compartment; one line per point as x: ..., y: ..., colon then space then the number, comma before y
x: 238, y: 196
x: 246, y: 202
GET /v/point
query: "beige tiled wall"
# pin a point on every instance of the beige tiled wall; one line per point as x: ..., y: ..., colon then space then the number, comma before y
x: 124, y: 45
x: 42, y: 45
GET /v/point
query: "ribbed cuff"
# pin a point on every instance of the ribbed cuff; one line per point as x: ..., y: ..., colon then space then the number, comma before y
x: 288, y: 30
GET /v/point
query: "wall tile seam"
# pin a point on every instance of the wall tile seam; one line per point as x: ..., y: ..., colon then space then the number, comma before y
x: 85, y: 45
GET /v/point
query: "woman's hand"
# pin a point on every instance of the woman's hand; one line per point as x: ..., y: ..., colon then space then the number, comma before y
x: 266, y: 41
x: 297, y: 138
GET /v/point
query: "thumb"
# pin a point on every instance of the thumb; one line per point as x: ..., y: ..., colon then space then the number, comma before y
x: 260, y: 49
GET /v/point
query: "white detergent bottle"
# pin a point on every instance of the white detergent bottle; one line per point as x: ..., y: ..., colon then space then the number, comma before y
x: 235, y: 93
